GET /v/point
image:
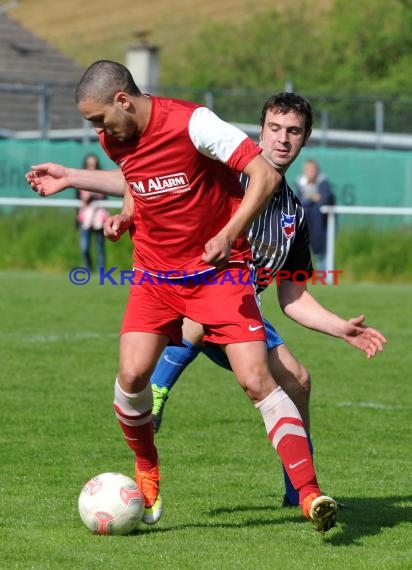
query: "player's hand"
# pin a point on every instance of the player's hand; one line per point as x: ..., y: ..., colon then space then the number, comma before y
x: 364, y: 338
x: 217, y: 251
x: 115, y: 226
x: 48, y: 178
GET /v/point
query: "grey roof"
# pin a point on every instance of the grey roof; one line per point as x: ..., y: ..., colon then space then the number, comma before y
x: 27, y: 64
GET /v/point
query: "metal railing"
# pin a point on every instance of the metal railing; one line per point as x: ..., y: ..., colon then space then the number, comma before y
x: 364, y: 121
x: 332, y: 211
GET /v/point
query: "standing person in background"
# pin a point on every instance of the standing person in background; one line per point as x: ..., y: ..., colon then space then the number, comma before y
x: 90, y: 219
x: 314, y: 191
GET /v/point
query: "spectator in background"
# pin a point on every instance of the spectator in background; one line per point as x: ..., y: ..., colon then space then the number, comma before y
x: 90, y: 219
x: 314, y: 191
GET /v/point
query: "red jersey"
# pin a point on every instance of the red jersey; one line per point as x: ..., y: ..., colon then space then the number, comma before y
x: 183, y: 175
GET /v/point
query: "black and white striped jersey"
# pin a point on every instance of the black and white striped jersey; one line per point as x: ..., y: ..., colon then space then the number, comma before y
x: 279, y: 239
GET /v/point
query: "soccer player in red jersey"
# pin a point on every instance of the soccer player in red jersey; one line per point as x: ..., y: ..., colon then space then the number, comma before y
x: 187, y: 216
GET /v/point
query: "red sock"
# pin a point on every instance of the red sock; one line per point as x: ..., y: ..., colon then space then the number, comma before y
x: 134, y: 412
x: 308, y: 489
x: 288, y: 436
x: 140, y: 439
x: 294, y: 451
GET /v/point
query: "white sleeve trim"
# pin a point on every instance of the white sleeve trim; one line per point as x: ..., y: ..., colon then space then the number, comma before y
x: 212, y: 136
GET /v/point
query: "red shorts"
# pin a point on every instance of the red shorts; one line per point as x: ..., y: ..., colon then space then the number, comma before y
x: 224, y: 303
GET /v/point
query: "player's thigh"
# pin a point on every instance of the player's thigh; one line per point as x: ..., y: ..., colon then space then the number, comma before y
x: 139, y: 352
x: 191, y: 331
x: 288, y: 372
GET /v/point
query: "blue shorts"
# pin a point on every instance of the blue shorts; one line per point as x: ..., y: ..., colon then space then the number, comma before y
x: 215, y: 353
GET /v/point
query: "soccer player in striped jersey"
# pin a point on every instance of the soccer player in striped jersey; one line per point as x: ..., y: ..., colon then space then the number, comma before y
x: 280, y: 247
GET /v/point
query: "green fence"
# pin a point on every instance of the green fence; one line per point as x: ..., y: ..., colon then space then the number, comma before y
x: 359, y: 177
x: 16, y: 158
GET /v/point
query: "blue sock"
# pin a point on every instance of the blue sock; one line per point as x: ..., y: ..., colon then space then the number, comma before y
x: 172, y: 362
x: 290, y: 491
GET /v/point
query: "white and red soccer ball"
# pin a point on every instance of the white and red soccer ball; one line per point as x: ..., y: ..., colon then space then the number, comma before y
x: 111, y: 503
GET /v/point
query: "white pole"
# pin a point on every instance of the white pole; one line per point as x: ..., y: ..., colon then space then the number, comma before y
x: 330, y: 245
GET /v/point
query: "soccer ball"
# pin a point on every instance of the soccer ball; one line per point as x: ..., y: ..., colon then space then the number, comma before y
x: 111, y: 503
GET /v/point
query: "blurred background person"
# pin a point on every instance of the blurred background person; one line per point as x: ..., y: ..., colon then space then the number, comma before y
x: 314, y: 191
x: 90, y: 219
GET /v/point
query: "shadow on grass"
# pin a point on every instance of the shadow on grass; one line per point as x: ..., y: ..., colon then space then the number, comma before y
x: 360, y: 518
x: 213, y: 521
x: 370, y: 516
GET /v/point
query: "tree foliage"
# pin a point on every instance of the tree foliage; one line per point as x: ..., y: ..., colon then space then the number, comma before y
x: 353, y: 47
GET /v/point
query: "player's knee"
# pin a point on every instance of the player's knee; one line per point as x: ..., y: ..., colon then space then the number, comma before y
x: 131, y: 380
x: 305, y: 380
x: 258, y: 384
x: 297, y: 385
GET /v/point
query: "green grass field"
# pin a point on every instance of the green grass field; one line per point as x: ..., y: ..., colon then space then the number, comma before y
x: 222, y: 482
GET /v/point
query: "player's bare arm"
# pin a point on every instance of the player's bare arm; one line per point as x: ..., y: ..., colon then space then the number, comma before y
x: 115, y: 226
x: 50, y: 178
x: 263, y: 180
x: 298, y: 304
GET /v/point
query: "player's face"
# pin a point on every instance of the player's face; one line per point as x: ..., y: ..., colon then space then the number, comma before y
x: 282, y: 137
x: 111, y: 118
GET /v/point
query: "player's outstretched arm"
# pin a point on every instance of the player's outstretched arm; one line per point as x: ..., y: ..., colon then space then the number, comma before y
x: 50, y: 178
x: 298, y: 304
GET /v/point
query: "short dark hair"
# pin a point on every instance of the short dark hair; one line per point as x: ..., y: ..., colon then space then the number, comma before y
x: 286, y: 102
x: 103, y: 79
